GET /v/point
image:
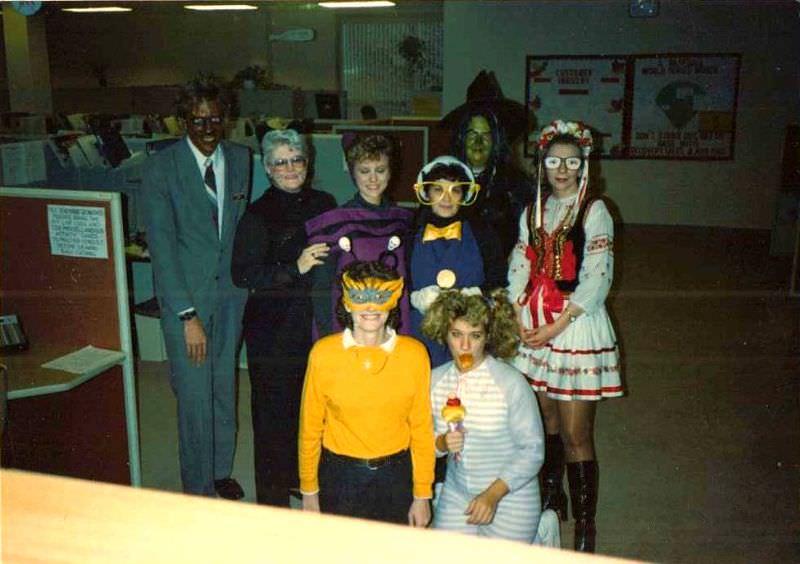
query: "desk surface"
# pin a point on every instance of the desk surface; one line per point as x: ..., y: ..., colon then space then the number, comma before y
x: 47, y: 518
x: 27, y: 378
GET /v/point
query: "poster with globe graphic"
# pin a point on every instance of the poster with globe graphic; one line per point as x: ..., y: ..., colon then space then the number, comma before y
x: 684, y: 106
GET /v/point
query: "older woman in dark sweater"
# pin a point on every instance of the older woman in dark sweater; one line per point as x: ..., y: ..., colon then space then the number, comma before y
x: 272, y: 259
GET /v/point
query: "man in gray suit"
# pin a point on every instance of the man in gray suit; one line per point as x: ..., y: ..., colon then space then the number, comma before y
x: 194, y: 193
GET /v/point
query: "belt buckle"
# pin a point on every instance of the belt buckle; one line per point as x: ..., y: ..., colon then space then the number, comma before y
x: 375, y: 463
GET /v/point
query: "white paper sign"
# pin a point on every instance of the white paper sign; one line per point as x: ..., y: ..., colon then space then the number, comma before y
x: 77, y: 231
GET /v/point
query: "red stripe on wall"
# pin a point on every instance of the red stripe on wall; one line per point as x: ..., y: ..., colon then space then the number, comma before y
x: 572, y: 92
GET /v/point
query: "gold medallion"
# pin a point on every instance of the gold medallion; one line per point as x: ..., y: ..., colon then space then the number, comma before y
x: 446, y: 278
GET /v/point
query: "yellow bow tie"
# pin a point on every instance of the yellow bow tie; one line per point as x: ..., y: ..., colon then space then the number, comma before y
x: 452, y: 231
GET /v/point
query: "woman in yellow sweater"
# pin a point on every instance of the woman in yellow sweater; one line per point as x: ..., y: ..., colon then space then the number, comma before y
x: 366, y: 429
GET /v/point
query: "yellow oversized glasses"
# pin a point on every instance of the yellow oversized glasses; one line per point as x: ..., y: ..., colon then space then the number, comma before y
x: 430, y: 193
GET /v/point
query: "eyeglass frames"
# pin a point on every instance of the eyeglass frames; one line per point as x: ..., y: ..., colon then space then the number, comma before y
x: 298, y: 161
x: 199, y: 122
x: 572, y: 163
x: 429, y: 193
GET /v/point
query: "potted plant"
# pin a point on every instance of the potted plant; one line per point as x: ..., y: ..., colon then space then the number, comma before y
x: 251, y: 77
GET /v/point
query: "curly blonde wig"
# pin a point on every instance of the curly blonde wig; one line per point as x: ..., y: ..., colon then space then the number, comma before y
x: 493, y: 312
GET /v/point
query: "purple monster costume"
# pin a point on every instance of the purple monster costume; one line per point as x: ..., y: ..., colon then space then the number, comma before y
x: 369, y: 232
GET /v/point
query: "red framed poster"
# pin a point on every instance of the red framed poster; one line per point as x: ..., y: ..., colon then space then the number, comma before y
x: 591, y: 89
x: 661, y: 106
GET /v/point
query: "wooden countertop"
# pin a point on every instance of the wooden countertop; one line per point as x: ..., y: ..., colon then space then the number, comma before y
x: 48, y: 518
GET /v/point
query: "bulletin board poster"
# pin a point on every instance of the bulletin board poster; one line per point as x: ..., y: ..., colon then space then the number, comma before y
x: 586, y: 88
x: 684, y: 106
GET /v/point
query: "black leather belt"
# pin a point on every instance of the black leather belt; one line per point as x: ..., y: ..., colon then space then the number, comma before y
x: 370, y: 463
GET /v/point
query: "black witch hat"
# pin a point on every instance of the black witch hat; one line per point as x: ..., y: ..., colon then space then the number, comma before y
x: 485, y: 94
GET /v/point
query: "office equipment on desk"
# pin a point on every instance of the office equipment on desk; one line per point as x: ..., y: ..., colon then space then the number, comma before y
x: 23, y: 162
x: 112, y: 146
x: 12, y: 336
x: 328, y: 105
x: 77, y: 424
x: 130, y: 125
x: 78, y: 122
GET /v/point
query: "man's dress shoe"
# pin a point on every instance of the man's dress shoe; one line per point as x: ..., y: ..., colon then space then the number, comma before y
x: 228, y: 488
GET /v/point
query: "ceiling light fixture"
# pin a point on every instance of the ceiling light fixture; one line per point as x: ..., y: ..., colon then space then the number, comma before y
x: 97, y: 10
x: 364, y: 4
x: 220, y: 7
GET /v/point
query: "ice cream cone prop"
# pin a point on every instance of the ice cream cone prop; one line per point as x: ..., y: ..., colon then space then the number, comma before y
x: 454, y: 413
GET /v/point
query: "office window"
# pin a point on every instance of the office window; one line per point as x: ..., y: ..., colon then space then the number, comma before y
x: 391, y: 65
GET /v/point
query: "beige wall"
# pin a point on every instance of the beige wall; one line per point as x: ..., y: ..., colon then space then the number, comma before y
x: 738, y: 193
x: 311, y: 64
x: 154, y: 48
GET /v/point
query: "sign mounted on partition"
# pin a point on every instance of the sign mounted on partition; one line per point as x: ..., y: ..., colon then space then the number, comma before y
x: 77, y: 231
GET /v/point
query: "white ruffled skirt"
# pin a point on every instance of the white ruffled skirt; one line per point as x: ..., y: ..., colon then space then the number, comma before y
x: 582, y: 363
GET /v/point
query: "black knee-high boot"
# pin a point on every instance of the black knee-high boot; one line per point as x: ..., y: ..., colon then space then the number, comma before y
x: 551, y: 477
x: 583, y: 484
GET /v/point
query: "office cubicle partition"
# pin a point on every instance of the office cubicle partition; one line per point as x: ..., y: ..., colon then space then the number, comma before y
x: 72, y: 396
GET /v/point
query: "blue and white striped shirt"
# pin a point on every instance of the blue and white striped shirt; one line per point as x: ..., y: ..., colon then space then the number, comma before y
x: 504, y: 438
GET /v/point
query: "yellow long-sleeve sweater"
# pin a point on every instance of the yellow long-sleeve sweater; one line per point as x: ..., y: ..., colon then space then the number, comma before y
x: 352, y: 407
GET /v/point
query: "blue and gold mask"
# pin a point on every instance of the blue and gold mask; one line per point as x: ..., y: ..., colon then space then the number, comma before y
x: 371, y: 293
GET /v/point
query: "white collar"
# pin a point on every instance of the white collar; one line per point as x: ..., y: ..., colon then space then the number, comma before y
x: 201, y: 159
x: 349, y: 341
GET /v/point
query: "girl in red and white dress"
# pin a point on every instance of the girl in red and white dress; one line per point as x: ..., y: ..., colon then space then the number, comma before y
x: 559, y: 276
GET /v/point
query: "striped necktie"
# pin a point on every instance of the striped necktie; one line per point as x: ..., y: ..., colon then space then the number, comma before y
x: 211, y: 189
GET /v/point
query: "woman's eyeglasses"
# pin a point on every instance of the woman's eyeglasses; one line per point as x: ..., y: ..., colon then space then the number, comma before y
x: 201, y: 122
x: 284, y: 164
x: 464, y: 193
x: 572, y: 163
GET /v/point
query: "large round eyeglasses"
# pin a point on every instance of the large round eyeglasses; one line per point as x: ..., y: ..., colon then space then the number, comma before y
x: 572, y: 163
x: 464, y: 193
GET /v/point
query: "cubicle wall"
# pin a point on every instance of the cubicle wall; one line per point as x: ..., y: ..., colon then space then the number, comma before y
x: 63, y: 274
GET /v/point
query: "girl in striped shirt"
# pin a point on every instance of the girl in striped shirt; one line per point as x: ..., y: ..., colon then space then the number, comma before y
x: 491, y: 488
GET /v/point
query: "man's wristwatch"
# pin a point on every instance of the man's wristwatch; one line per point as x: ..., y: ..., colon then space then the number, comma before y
x: 186, y: 316
x: 572, y: 318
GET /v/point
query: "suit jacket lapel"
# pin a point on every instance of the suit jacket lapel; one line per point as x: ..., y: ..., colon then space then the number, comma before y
x: 191, y: 184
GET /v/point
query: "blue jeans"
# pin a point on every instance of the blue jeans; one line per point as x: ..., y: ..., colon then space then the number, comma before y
x: 352, y: 489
